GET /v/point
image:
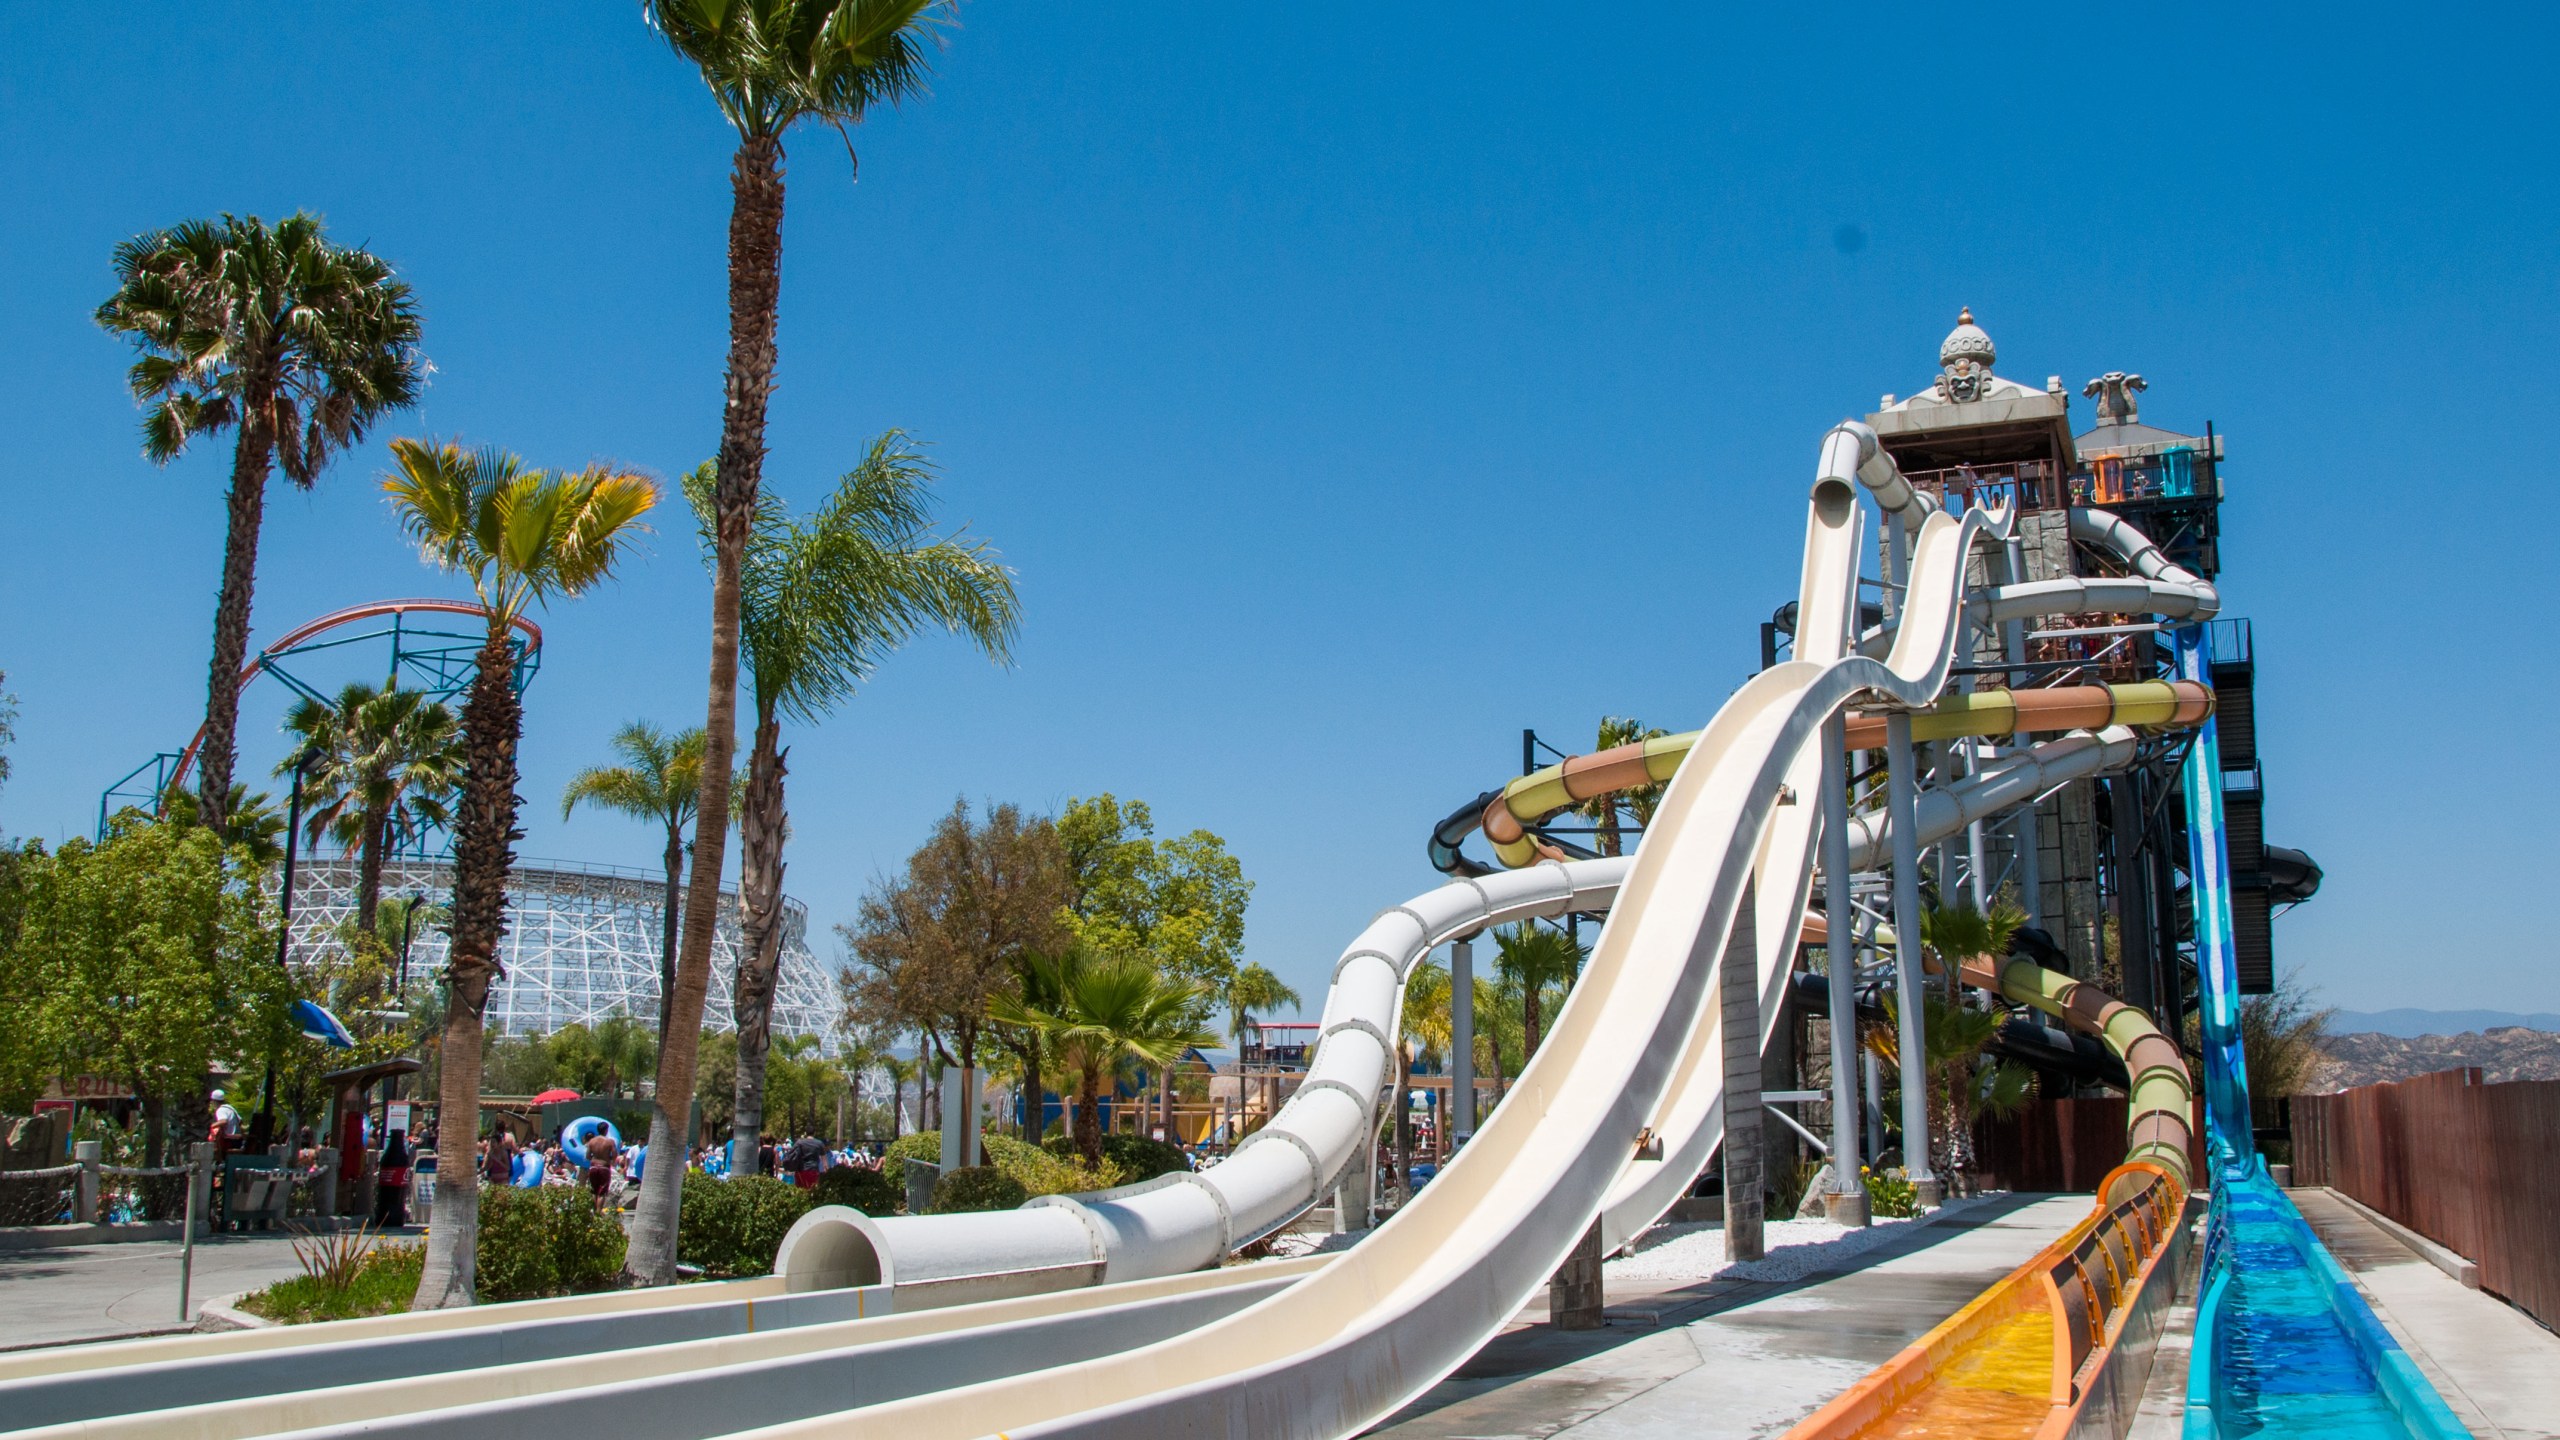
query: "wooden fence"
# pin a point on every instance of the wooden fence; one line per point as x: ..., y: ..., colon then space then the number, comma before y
x: 2473, y: 1167
x: 2066, y: 1146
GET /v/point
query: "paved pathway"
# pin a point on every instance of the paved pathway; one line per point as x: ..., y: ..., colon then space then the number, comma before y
x: 1735, y: 1358
x: 102, y: 1292
x: 2498, y: 1369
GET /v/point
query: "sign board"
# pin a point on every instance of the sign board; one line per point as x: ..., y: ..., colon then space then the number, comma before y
x: 398, y: 1116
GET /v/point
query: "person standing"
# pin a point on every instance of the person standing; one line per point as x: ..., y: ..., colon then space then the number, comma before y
x: 600, y: 1152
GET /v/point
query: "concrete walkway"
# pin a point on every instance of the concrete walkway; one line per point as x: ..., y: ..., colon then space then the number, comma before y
x: 1735, y: 1358
x: 2498, y: 1369
x: 104, y: 1292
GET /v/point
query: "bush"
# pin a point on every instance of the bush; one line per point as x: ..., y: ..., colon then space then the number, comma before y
x: 925, y: 1145
x: 734, y: 1227
x: 383, y: 1283
x: 977, y: 1187
x: 1889, y: 1195
x: 861, y: 1187
x: 1134, y: 1158
x: 551, y: 1240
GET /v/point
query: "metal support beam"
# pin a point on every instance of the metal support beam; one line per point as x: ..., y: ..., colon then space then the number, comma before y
x: 1847, y: 1203
x: 1462, y: 1041
x: 1902, y: 803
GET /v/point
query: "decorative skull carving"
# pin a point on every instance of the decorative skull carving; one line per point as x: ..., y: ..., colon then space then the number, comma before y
x: 1965, y: 359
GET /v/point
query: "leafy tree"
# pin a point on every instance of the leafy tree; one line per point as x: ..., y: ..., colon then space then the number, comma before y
x: 1112, y: 1012
x: 385, y: 764
x: 298, y: 345
x: 600, y: 1059
x: 148, y: 957
x: 1532, y: 959
x: 1426, y: 1029
x: 769, y: 64
x: 823, y: 602
x: 937, y: 944
x: 1177, y: 903
x: 1251, y: 988
x: 659, y: 780
x: 521, y: 537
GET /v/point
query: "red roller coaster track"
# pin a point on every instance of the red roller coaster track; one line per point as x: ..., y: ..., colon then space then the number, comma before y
x: 306, y: 631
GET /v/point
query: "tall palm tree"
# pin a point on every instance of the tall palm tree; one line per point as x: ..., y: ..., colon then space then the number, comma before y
x: 659, y: 780
x: 521, y: 537
x: 770, y: 64
x: 1534, y: 957
x: 386, y: 764
x: 1112, y: 1013
x: 299, y: 345
x: 1255, y: 988
x: 823, y: 601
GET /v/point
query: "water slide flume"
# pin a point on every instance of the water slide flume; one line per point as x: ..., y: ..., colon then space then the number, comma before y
x: 1346, y: 1346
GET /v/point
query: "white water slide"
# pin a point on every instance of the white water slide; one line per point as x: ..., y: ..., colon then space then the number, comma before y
x: 1635, y: 1050
x: 1631, y: 1053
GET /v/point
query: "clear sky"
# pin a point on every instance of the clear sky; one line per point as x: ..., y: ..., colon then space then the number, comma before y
x: 1354, y: 388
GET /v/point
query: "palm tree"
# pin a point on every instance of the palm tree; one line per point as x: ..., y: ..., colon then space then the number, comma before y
x: 823, y: 601
x: 770, y: 64
x: 387, y: 760
x: 250, y: 821
x: 1426, y: 1032
x: 660, y: 780
x: 1112, y: 1013
x: 1253, y: 987
x: 1532, y: 957
x: 299, y: 345
x: 521, y: 537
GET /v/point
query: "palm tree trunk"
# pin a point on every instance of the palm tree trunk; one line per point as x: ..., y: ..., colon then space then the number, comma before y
x: 483, y: 852
x: 1528, y: 1022
x: 670, y: 938
x: 250, y: 456
x: 755, y: 284
x: 369, y: 871
x: 1089, y: 1117
x: 761, y: 829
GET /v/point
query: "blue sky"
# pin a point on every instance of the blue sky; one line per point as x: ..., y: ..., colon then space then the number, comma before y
x: 1352, y: 389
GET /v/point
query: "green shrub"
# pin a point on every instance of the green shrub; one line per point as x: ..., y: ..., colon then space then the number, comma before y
x: 925, y: 1145
x: 734, y: 1227
x: 551, y: 1240
x: 1134, y: 1158
x: 383, y: 1283
x: 977, y: 1187
x: 1889, y: 1195
x: 861, y: 1187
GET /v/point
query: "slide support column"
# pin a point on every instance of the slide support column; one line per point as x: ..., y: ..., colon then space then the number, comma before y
x: 1902, y: 810
x: 1462, y: 1041
x: 1847, y: 1202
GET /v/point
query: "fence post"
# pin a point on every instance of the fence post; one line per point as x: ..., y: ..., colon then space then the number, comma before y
x: 86, y: 1154
x: 200, y: 1182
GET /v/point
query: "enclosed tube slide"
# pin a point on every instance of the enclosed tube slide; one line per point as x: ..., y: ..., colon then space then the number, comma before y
x: 1536, y: 797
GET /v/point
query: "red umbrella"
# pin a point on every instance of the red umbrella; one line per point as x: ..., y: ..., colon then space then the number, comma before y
x: 549, y: 1096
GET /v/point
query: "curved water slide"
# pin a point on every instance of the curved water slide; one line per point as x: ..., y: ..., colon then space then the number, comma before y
x: 1347, y: 1345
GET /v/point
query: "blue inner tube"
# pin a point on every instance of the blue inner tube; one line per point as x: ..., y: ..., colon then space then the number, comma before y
x: 583, y: 1129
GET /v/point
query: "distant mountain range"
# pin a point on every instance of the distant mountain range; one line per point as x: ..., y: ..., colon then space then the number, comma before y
x: 2509, y: 1053
x: 2408, y: 1024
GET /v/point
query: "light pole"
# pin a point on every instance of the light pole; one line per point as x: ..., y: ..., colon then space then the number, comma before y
x: 409, y: 932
